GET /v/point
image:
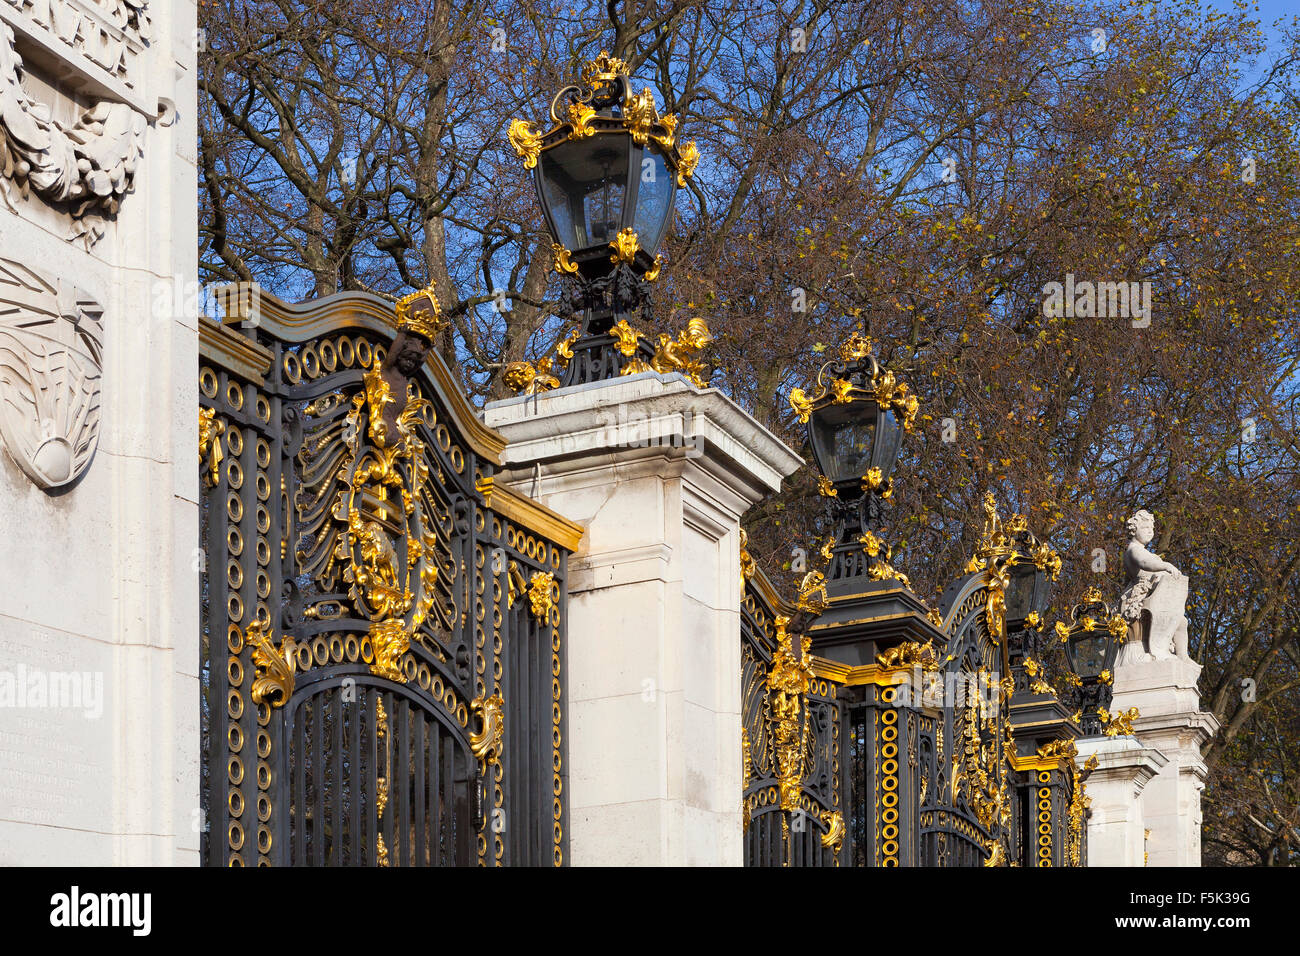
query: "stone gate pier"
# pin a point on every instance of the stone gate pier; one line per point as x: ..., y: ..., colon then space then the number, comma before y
x: 659, y: 473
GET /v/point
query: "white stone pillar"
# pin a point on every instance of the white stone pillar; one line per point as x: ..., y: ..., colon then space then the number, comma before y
x: 659, y: 473
x: 99, y: 576
x: 1171, y: 721
x: 1116, y: 825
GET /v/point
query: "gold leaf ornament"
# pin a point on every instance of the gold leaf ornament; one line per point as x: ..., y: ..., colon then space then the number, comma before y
x: 677, y: 355
x: 274, y: 668
x: 625, y: 246
x: 390, y: 641
x: 564, y: 263
x: 540, y: 598
x: 640, y: 114
x: 210, y: 430
x: 627, y: 337
x: 580, y: 117
x: 688, y: 157
x: 486, y: 743
x: 526, y: 140
x: 801, y: 404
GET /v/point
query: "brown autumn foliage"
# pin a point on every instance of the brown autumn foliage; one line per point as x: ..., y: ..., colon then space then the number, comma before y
x: 921, y: 169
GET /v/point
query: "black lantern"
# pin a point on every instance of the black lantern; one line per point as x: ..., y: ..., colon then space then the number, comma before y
x: 1092, y: 643
x: 1027, y: 592
x: 856, y: 420
x: 1030, y: 574
x: 596, y: 189
x: 848, y: 441
x: 606, y: 175
x: 852, y: 426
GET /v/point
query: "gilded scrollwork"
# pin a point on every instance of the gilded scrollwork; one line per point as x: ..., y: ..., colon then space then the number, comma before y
x: 1119, y: 723
x: 579, y: 117
x: 678, y: 355
x: 390, y: 640
x: 627, y: 337
x: 1078, y: 811
x: 563, y: 260
x: 833, y: 820
x: 274, y: 667
x: 527, y: 378
x: 812, y: 593
x: 375, y: 499
x: 908, y: 655
x: 877, y: 384
x: 604, y: 82
x: 526, y: 140
x: 487, y: 741
x: 982, y: 760
x: 688, y: 159
x: 747, y: 563
x: 788, y: 684
x: 625, y: 246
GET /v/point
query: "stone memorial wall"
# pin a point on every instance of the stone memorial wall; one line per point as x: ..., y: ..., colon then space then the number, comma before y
x: 98, y: 433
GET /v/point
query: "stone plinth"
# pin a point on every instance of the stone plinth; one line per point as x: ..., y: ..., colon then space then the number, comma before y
x: 1116, y: 824
x: 659, y: 473
x: 1171, y: 721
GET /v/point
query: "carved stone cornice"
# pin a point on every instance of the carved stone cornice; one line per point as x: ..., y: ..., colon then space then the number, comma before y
x: 102, y: 43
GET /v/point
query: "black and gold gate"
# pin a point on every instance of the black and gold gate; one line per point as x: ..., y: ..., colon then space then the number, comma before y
x: 790, y: 738
x: 920, y: 752
x: 383, y: 641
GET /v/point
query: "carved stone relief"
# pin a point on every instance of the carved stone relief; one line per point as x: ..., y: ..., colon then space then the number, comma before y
x: 108, y: 33
x: 51, y: 344
x: 83, y: 167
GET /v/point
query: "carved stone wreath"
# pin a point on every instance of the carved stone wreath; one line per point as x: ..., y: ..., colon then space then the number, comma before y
x: 85, y: 168
x: 51, y: 345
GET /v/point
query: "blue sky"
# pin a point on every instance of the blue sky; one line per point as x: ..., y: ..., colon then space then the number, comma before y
x: 1267, y: 12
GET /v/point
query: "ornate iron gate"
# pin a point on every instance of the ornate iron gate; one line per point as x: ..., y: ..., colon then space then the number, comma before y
x: 791, y: 724
x: 382, y: 628
x: 936, y: 771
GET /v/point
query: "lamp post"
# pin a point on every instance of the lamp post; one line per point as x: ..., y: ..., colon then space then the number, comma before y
x: 606, y: 175
x: 855, y: 421
x: 1092, y: 642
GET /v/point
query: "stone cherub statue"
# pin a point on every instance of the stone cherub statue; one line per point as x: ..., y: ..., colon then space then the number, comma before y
x: 1154, y: 599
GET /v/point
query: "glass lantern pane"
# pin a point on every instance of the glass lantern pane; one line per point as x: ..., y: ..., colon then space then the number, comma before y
x: 1090, y: 653
x: 853, y: 444
x: 1020, y: 591
x: 654, y: 199
x: 891, y: 439
x: 583, y: 185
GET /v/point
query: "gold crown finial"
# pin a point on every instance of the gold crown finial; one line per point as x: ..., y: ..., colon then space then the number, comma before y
x: 856, y: 348
x: 419, y: 313
x: 604, y: 67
